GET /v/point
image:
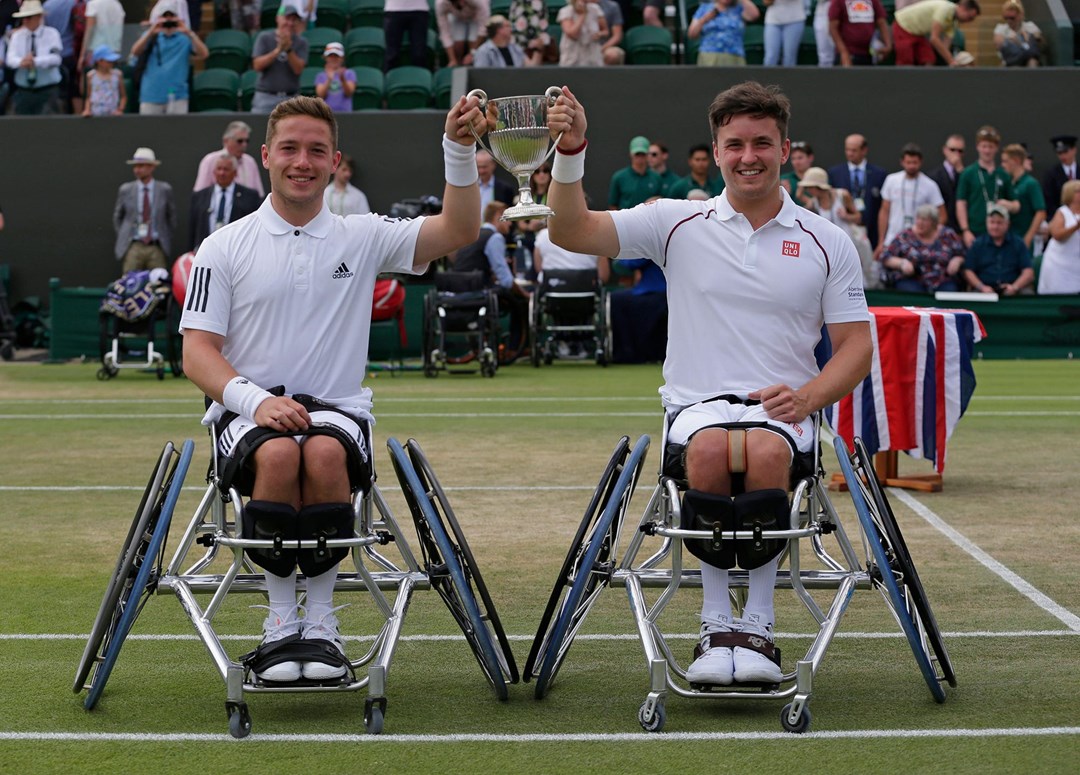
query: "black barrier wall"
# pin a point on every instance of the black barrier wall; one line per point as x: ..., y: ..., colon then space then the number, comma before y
x: 59, y: 175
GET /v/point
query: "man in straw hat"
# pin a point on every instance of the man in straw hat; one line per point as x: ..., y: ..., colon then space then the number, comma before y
x: 752, y: 277
x: 144, y: 216
x: 285, y: 299
x: 34, y: 53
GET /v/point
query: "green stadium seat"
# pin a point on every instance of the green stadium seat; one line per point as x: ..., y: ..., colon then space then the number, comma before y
x: 442, y: 84
x: 648, y: 45
x: 268, y: 14
x: 500, y: 7
x: 365, y: 47
x: 317, y: 38
x: 690, y: 50
x: 307, y: 80
x: 807, y: 48
x: 754, y: 43
x: 369, y: 88
x: 229, y: 49
x: 332, y: 13
x: 366, y: 13
x: 408, y: 88
x: 215, y: 89
x: 247, y: 89
x: 432, y: 50
x: 132, y: 95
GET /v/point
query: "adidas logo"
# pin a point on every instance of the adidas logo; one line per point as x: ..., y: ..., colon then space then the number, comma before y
x: 342, y: 272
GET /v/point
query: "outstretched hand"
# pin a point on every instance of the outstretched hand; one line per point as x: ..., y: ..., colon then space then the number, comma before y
x: 567, y: 117
x: 463, y: 113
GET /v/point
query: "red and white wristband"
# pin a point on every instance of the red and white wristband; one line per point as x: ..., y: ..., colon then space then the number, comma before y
x: 569, y: 166
x: 243, y: 396
x: 460, y: 163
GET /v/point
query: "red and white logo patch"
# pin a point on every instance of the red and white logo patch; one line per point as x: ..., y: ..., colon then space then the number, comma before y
x: 791, y: 249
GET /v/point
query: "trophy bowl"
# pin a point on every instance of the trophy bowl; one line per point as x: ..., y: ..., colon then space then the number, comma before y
x: 519, y: 140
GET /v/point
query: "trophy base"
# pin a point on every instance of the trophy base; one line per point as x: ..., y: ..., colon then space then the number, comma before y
x: 525, y: 212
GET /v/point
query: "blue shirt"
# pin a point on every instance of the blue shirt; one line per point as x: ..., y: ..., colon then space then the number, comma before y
x: 58, y: 16
x: 724, y: 33
x: 652, y: 278
x: 495, y: 250
x: 998, y: 264
x: 167, y: 69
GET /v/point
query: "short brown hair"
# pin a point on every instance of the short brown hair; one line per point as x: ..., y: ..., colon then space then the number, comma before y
x: 302, y: 106
x: 751, y: 98
x: 494, y: 209
x: 1016, y: 152
x: 988, y: 134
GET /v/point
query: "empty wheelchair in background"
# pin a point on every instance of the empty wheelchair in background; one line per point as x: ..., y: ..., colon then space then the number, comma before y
x: 569, y: 316
x: 818, y: 554
x: 461, y: 325
x: 138, y: 323
x: 210, y: 563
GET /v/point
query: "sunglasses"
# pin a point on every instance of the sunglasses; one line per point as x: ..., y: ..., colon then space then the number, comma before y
x: 954, y: 150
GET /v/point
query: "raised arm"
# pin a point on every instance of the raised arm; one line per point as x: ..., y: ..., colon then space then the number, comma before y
x: 574, y: 226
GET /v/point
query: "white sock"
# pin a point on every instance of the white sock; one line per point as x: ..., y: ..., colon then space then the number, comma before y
x: 320, y: 594
x: 759, y: 601
x: 282, y: 593
x: 716, y: 606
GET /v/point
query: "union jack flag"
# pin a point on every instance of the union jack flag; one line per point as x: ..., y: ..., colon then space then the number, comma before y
x: 919, y: 385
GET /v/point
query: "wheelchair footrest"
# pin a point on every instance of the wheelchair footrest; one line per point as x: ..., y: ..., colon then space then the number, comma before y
x: 296, y: 649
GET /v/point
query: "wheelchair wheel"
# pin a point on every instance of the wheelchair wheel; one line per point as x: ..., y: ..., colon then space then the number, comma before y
x: 588, y: 566
x: 431, y: 367
x: 442, y: 506
x: 122, y: 575
x: 888, y: 573
x: 882, y: 512
x: 441, y: 560
x: 136, y: 590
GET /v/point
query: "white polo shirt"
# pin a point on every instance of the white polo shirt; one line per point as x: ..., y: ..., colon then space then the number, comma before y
x: 554, y: 257
x: 294, y: 303
x: 745, y: 307
x: 906, y: 195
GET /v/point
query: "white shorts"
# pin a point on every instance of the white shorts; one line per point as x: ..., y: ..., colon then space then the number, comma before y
x: 231, y: 435
x: 693, y: 418
x: 463, y: 30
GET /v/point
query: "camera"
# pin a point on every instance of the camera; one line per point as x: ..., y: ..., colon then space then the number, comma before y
x: 170, y: 24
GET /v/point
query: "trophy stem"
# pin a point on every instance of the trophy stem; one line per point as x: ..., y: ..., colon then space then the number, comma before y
x: 524, y: 189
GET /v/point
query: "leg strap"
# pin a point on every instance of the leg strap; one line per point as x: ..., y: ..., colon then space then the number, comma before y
x: 320, y: 522
x: 736, y: 448
x: 270, y: 521
x: 705, y: 511
x: 293, y: 649
x: 757, y: 511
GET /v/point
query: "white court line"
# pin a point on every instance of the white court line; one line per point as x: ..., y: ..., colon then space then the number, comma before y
x: 381, y: 415
x: 557, y: 738
x: 17, y: 636
x: 380, y: 400
x: 1069, y: 619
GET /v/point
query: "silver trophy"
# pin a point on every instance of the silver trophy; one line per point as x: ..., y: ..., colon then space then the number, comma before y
x: 519, y: 139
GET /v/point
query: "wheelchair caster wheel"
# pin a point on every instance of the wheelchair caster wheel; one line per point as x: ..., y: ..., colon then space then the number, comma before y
x: 800, y: 726
x: 655, y: 722
x: 374, y: 713
x: 239, y: 720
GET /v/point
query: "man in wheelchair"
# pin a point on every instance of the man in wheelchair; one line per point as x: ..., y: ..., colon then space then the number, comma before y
x: 282, y: 297
x: 752, y: 278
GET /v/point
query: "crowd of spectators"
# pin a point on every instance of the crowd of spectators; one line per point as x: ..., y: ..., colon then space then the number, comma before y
x: 52, y: 48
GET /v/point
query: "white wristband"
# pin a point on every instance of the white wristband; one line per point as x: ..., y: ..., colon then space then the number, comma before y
x: 460, y: 161
x: 243, y: 397
x: 568, y: 167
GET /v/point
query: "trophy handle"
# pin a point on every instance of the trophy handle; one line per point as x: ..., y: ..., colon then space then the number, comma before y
x: 553, y: 93
x: 480, y: 95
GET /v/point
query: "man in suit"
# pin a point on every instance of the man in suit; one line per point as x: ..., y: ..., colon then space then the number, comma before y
x: 947, y: 173
x: 1062, y: 172
x: 863, y: 180
x: 223, y: 202
x: 144, y: 216
x: 491, y: 188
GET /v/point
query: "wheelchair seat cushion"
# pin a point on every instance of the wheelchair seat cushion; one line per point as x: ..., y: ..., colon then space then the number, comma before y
x: 460, y: 282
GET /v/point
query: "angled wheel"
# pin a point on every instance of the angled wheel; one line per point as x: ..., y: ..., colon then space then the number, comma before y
x: 137, y: 587
x: 891, y: 575
x: 124, y: 573
x: 904, y: 566
x: 443, y: 566
x: 442, y: 507
x: 588, y: 566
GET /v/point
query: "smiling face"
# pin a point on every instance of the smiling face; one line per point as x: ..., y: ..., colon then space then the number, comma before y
x: 749, y: 152
x: 300, y: 158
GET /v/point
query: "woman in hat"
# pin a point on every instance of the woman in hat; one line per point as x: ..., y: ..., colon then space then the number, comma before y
x: 836, y: 205
x: 336, y: 83
x: 105, y: 93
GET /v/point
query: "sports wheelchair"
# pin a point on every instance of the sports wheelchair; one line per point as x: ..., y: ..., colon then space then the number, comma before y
x: 210, y: 562
x: 138, y: 314
x: 461, y: 325
x: 593, y: 562
x: 569, y: 306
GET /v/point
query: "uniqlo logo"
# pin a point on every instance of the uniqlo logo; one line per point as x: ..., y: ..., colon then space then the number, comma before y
x: 791, y: 249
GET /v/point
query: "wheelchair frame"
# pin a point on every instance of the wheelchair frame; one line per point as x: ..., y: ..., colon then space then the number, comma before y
x: 447, y: 565
x: 483, y: 342
x: 543, y: 331
x: 592, y: 563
